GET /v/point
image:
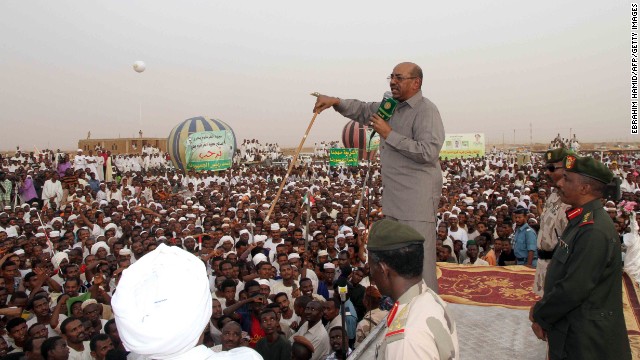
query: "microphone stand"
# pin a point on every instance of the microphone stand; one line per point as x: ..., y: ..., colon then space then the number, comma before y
x: 364, y: 187
x: 345, y: 337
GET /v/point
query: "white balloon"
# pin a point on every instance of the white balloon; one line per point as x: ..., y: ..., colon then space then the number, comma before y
x: 139, y: 66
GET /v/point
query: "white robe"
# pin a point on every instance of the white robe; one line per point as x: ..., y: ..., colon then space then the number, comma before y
x: 100, y: 167
x: 51, y: 189
x: 79, y: 162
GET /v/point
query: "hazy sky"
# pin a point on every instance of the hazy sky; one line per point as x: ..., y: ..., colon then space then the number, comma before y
x: 490, y: 66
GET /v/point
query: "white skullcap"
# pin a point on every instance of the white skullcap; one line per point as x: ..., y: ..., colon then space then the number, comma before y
x: 56, y: 260
x: 323, y: 253
x: 98, y: 245
x: 59, y: 219
x: 258, y: 258
x: 226, y: 238
x: 293, y: 256
x: 264, y: 282
x: 244, y: 231
x: 329, y: 266
x: 166, y: 287
x: 54, y: 233
x: 260, y: 238
x: 340, y: 236
x: 275, y: 227
x: 124, y: 252
x: 111, y: 226
x: 19, y: 252
x: 87, y: 303
x: 72, y: 217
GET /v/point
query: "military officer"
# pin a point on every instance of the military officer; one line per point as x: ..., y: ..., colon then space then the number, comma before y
x: 581, y: 314
x: 553, y: 219
x: 418, y: 325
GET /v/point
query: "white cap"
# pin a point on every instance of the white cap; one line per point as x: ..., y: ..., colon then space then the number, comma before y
x: 258, y: 258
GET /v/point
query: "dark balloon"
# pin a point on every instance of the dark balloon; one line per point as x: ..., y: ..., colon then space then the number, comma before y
x: 354, y: 136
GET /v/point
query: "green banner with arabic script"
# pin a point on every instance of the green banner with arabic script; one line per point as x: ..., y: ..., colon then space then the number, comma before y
x: 343, y: 157
x: 209, y: 150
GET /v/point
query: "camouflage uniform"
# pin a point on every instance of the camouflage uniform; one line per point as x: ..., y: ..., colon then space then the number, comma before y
x: 419, y: 327
x: 552, y: 223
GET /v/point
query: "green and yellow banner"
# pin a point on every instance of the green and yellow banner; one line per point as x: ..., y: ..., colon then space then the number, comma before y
x: 343, y: 157
x: 209, y: 150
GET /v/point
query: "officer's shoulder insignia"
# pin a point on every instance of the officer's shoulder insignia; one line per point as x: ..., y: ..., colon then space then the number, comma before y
x: 395, y: 329
x: 587, y: 219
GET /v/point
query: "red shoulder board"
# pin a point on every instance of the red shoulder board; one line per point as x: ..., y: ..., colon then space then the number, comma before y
x: 587, y: 219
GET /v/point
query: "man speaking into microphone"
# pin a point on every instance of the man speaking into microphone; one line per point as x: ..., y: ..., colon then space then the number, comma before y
x: 410, y: 143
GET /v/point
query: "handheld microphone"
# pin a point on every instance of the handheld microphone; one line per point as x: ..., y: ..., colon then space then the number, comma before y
x: 387, y: 106
x: 386, y: 109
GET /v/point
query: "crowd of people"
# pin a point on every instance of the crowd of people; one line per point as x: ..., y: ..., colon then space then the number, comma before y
x: 69, y: 227
x: 253, y: 151
x: 322, y: 150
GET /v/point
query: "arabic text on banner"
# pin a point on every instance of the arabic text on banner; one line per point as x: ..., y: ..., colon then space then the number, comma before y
x: 343, y: 157
x: 209, y: 150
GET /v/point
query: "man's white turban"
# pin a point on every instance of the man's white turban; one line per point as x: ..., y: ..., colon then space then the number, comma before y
x: 162, y: 303
x: 98, y: 245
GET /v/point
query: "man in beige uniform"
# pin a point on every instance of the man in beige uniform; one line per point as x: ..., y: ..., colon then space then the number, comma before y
x: 418, y: 325
x: 553, y: 219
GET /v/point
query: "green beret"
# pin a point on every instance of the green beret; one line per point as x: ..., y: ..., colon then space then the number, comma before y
x: 471, y: 242
x: 391, y: 235
x: 588, y: 166
x: 555, y: 155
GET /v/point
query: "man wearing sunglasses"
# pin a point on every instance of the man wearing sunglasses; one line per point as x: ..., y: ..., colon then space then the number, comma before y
x: 410, y: 144
x: 553, y: 219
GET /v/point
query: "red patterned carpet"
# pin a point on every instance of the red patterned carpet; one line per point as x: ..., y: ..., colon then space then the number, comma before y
x: 505, y: 286
x: 510, y: 287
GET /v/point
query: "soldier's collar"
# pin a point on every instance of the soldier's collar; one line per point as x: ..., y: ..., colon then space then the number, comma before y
x: 412, y: 292
x: 585, y: 208
x: 574, y: 213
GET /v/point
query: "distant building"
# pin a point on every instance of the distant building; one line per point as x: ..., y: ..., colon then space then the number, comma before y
x: 123, y: 145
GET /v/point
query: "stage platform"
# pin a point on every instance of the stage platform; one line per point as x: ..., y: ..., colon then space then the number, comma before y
x: 491, y: 308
